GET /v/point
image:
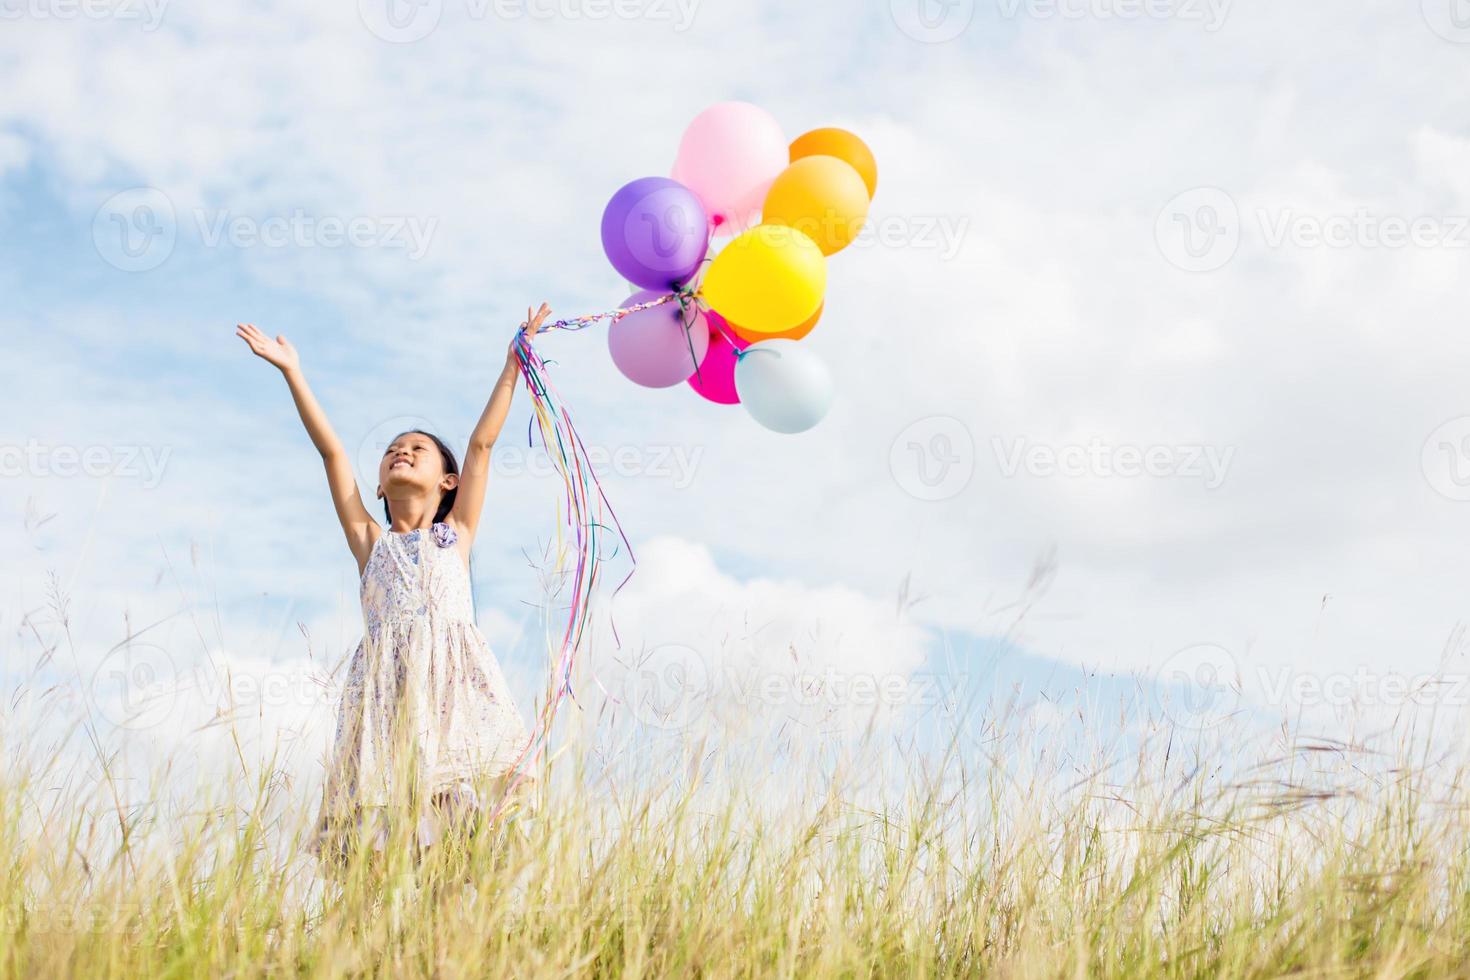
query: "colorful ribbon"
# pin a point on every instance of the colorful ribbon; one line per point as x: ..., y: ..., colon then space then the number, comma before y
x: 580, y: 519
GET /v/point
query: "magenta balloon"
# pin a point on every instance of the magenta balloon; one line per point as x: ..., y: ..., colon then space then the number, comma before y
x: 652, y: 347
x: 655, y: 232
x: 715, y: 379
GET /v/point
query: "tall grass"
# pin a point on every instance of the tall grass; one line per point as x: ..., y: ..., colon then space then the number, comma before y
x: 983, y: 852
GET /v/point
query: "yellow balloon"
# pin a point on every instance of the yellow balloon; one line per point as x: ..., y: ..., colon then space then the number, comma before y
x: 768, y: 279
x: 822, y: 197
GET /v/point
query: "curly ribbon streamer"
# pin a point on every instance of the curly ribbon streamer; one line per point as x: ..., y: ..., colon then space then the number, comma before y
x: 580, y: 524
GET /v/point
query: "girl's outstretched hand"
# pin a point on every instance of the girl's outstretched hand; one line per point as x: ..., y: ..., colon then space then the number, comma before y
x: 530, y: 325
x: 278, y: 352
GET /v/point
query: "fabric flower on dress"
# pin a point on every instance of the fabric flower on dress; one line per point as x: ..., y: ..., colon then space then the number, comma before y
x: 444, y: 535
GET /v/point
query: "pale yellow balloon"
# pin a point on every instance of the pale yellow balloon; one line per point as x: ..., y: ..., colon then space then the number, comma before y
x: 769, y: 279
x: 822, y: 197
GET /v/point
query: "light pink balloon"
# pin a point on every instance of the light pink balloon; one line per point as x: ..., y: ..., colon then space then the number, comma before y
x: 715, y: 379
x: 728, y: 157
x: 651, y: 347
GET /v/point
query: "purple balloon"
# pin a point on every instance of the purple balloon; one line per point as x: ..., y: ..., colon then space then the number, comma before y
x: 655, y: 232
x: 652, y: 346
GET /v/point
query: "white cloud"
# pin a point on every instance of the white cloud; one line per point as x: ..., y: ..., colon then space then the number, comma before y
x: 700, y: 645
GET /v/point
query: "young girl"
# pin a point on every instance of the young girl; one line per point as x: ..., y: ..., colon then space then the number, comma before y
x: 426, y: 718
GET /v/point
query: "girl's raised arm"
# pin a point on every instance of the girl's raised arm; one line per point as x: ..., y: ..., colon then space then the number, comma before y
x: 475, y: 474
x: 361, y: 530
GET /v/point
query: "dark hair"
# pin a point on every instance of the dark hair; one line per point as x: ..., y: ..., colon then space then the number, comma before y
x: 451, y: 465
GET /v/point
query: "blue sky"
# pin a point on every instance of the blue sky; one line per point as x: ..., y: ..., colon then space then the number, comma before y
x: 1032, y: 301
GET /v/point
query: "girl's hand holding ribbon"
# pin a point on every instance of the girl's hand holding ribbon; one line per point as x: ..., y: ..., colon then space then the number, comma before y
x: 529, y: 326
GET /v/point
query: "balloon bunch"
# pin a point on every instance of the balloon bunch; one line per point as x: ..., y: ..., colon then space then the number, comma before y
x: 743, y: 306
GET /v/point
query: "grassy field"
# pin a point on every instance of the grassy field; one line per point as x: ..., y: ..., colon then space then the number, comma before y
x: 980, y: 844
x: 1325, y: 860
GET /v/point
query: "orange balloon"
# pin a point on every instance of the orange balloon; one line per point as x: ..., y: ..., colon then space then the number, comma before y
x: 795, y: 333
x: 844, y: 146
x: 822, y: 197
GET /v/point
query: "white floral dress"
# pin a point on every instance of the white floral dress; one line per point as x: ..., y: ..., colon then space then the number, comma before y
x: 426, y: 714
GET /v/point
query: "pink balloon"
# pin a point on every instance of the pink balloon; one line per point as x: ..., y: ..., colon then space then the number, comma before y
x: 728, y: 157
x: 715, y: 379
x: 651, y: 347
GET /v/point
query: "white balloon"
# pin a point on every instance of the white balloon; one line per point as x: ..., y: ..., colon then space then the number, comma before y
x: 783, y: 386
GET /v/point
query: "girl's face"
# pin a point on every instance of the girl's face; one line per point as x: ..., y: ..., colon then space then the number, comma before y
x: 412, y: 463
